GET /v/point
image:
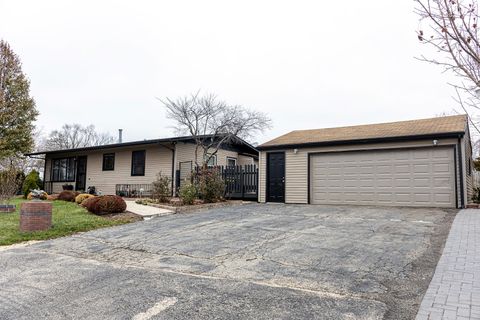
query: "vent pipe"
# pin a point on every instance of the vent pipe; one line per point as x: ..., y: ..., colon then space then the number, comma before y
x: 120, y: 135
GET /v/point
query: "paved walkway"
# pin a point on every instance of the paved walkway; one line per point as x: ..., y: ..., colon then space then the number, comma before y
x: 454, y: 292
x: 146, y: 211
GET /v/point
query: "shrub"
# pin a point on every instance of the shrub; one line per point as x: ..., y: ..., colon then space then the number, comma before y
x: 67, y: 186
x: 105, y: 204
x: 52, y: 197
x: 161, y: 188
x: 32, y: 181
x: 82, y: 196
x: 8, y: 184
x: 188, y: 193
x: 43, y: 195
x: 144, y: 201
x: 211, y: 187
x: 67, y: 195
x: 476, y: 195
x: 87, y: 202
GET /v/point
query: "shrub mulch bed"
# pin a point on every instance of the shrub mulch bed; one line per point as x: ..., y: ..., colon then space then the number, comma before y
x: 124, y: 217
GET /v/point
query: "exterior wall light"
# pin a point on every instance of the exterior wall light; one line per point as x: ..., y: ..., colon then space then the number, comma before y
x: 295, y: 151
x: 435, y: 142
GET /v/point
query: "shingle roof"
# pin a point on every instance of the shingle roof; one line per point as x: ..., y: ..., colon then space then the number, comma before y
x: 440, y: 125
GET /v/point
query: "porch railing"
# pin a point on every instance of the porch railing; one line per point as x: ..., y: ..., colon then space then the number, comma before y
x: 133, y: 190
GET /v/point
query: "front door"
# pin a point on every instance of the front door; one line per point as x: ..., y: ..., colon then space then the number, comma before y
x: 276, y: 177
x: 81, y: 179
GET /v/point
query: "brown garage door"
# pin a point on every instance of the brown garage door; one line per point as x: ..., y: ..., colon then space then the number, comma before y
x: 411, y: 177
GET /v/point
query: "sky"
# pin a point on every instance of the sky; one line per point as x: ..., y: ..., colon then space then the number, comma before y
x: 307, y: 64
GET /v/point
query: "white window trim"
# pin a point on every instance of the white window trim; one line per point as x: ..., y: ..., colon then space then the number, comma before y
x: 231, y: 158
x: 212, y: 157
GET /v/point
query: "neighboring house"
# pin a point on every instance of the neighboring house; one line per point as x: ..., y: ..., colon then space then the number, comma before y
x: 424, y: 162
x: 126, y: 164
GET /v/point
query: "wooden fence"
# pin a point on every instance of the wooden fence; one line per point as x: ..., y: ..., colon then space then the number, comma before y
x: 241, y: 182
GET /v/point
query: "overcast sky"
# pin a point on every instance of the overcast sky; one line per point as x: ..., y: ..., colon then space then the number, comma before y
x: 308, y: 64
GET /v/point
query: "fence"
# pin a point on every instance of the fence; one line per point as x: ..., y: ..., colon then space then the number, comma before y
x: 133, y: 190
x: 476, y: 178
x: 241, y: 182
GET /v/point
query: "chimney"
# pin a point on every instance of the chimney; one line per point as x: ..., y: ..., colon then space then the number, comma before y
x: 120, y: 135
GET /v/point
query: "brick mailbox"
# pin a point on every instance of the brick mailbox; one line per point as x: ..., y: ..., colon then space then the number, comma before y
x: 35, y: 215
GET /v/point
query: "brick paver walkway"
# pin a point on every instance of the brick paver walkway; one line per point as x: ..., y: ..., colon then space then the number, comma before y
x: 454, y: 292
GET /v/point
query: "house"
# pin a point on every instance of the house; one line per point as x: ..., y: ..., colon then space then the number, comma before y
x: 130, y: 166
x: 425, y: 162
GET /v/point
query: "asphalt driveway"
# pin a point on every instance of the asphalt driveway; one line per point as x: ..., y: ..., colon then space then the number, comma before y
x: 246, y: 262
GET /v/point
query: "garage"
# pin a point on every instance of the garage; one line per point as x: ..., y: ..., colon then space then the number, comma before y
x: 422, y: 177
x: 415, y: 163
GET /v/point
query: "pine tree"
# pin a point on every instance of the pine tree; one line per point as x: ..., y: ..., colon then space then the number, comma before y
x: 17, y: 107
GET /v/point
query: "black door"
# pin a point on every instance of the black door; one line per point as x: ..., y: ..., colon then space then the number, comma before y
x: 81, y: 179
x: 276, y: 177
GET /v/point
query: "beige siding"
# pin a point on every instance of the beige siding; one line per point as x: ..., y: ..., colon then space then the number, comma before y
x: 296, y: 177
x: 468, y: 164
x: 186, y: 152
x: 245, y: 160
x: 157, y: 159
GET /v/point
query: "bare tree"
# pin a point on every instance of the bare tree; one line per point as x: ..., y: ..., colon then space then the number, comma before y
x: 451, y: 28
x: 72, y: 136
x: 213, y: 123
x: 9, y: 181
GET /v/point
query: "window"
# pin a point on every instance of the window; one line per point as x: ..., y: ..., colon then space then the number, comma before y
x: 138, y: 163
x: 212, y: 160
x: 63, y: 170
x: 231, y: 162
x: 108, y: 162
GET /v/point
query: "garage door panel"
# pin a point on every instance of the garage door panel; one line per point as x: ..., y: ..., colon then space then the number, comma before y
x: 422, y: 182
x: 441, y: 168
x: 411, y: 177
x: 421, y: 168
x: 402, y: 168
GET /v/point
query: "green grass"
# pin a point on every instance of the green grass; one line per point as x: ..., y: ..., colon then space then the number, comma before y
x: 67, y: 218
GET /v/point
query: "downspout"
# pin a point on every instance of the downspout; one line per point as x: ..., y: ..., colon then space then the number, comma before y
x: 173, y: 163
x: 173, y: 167
x: 460, y: 167
x: 45, y: 172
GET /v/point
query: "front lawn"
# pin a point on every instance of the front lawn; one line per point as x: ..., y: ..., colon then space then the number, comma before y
x: 67, y: 218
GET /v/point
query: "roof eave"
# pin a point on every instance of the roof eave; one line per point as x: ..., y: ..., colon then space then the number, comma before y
x: 362, y: 141
x: 134, y: 143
